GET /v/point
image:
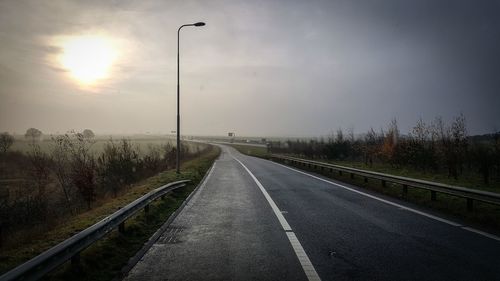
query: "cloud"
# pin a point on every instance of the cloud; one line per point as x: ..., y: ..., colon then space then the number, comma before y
x: 257, y: 68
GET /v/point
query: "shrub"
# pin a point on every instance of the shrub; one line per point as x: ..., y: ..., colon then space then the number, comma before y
x: 6, y: 141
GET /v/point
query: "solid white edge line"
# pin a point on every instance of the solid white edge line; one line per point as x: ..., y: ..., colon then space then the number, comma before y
x: 276, y: 211
x: 491, y: 236
x: 304, y: 260
x: 485, y: 234
x: 375, y: 197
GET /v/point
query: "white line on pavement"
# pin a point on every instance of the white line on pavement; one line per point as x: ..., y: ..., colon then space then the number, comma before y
x: 303, y: 258
x: 307, y: 266
x: 494, y: 237
x: 485, y: 234
x: 276, y: 211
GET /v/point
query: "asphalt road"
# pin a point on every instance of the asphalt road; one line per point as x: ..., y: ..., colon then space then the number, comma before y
x: 253, y: 219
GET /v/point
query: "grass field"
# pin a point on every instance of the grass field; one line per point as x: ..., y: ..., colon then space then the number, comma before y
x: 105, y: 259
x: 142, y: 142
x: 251, y: 150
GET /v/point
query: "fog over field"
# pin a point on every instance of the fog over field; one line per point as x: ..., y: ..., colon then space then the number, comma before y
x: 258, y: 68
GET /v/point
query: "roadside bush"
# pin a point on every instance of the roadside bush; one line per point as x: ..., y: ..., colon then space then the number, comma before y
x: 6, y: 141
x: 83, y: 168
x: 43, y: 187
x: 62, y: 168
x: 435, y: 147
x: 39, y: 172
x: 118, y: 165
x: 152, y: 160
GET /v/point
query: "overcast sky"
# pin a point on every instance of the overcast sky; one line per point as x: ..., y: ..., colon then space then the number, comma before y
x: 258, y: 68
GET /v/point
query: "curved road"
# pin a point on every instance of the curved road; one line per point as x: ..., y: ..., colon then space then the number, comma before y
x: 253, y: 219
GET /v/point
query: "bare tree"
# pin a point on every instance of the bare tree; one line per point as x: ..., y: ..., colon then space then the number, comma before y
x: 33, y: 134
x: 370, y: 146
x: 87, y: 133
x: 152, y: 159
x: 350, y: 135
x: 61, y: 158
x: 118, y: 165
x: 388, y: 148
x: 40, y: 171
x: 83, y: 168
x: 419, y: 146
x: 6, y: 141
x: 460, y: 140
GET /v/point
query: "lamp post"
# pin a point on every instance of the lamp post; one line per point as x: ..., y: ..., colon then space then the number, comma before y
x: 178, y: 160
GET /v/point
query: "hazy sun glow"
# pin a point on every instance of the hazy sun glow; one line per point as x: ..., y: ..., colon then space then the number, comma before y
x: 88, y: 58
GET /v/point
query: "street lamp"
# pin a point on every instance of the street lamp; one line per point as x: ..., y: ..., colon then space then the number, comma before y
x: 178, y: 98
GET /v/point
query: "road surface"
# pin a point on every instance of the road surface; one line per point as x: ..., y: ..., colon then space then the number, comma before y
x: 253, y: 219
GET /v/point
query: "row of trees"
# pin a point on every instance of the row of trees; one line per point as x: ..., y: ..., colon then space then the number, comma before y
x: 32, y: 135
x: 430, y: 147
x: 71, y: 176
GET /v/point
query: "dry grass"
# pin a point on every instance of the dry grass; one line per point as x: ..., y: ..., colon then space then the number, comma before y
x: 251, y: 150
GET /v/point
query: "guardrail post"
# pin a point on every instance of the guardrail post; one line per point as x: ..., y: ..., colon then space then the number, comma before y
x: 366, y: 179
x: 146, y: 209
x: 340, y: 173
x: 433, y: 195
x: 470, y: 204
x: 383, y: 183
x: 121, y: 227
x: 352, y: 176
x: 405, y: 190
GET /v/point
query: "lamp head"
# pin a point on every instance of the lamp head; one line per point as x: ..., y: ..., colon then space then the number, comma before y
x: 199, y: 24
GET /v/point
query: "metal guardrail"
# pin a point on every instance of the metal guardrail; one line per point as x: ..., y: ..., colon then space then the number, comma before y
x: 47, y: 261
x: 470, y: 194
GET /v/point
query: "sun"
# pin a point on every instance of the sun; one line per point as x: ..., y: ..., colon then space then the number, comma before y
x: 88, y: 58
